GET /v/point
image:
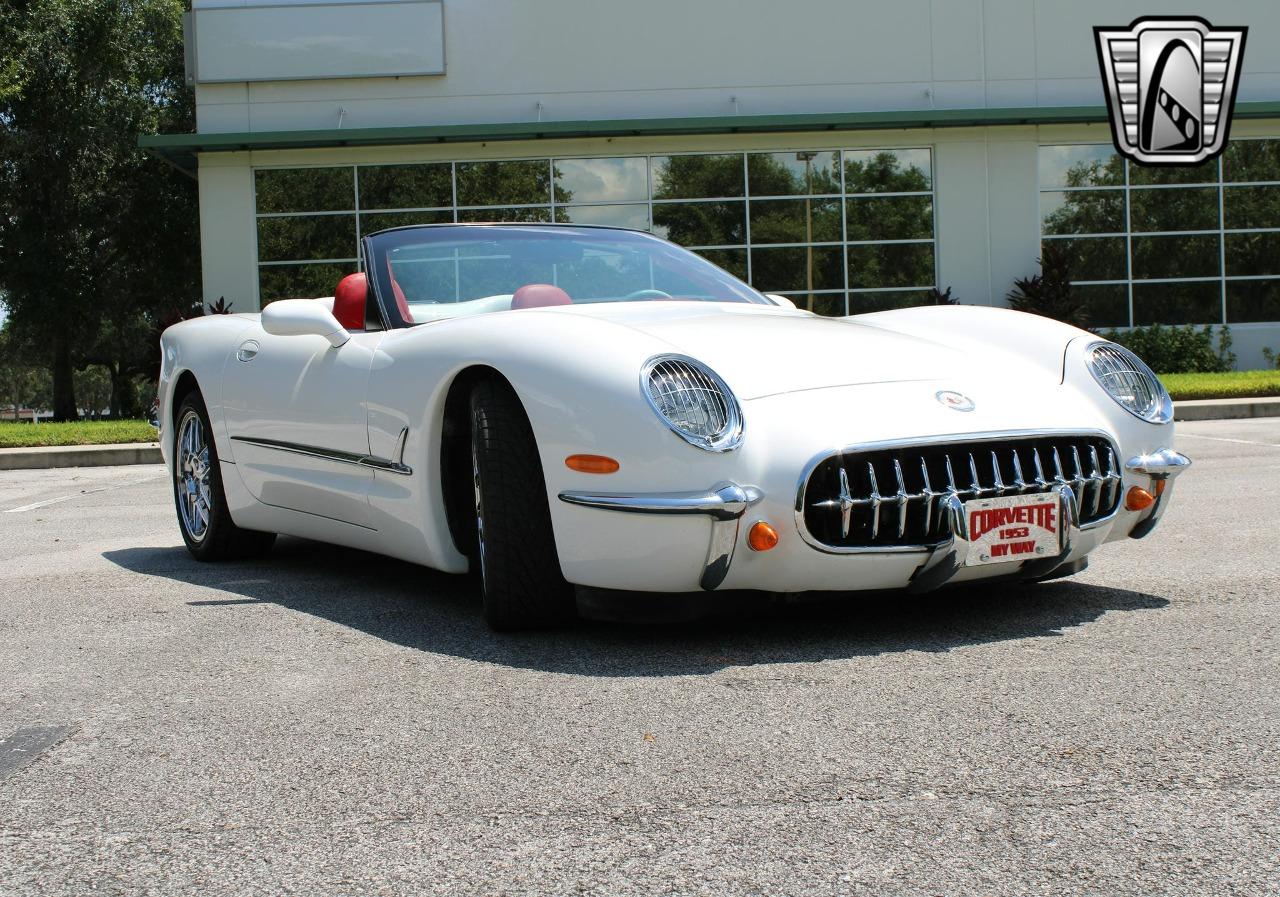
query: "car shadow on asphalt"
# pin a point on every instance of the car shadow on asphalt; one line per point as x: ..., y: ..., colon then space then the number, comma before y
x: 425, y: 610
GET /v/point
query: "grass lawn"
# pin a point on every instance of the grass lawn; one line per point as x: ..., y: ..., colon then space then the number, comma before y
x: 85, y: 432
x: 1230, y: 385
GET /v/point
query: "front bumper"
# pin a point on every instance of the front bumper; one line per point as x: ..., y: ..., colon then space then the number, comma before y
x: 727, y: 503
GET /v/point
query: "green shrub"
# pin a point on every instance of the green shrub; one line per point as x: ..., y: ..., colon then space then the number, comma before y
x: 1049, y: 292
x: 1178, y: 350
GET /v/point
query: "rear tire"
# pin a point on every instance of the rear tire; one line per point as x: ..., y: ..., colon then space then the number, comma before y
x: 515, y: 548
x: 201, y: 502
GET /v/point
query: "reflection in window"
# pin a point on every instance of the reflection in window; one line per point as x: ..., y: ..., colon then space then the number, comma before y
x: 304, y: 189
x: 634, y: 216
x: 291, y: 281
x: 602, y: 180
x: 809, y: 224
x: 691, y: 177
x: 1189, y: 236
x: 406, y: 186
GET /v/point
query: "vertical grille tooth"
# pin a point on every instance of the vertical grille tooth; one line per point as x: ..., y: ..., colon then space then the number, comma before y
x: 876, y: 501
x: 1097, y: 474
x: 843, y: 504
x: 929, y: 496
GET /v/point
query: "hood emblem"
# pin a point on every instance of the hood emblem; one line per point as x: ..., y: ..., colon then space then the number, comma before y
x: 956, y: 401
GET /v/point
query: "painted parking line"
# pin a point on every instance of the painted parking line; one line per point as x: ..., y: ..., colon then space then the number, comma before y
x: 61, y: 498
x: 26, y: 745
x: 1229, y: 439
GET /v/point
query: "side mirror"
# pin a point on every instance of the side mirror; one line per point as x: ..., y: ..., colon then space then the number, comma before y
x: 780, y: 300
x: 303, y: 317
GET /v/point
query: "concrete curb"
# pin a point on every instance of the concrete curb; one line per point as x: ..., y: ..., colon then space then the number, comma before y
x: 80, y: 456
x: 1226, y: 409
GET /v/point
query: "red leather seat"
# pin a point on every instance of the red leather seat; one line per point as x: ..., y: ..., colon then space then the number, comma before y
x: 539, y: 295
x: 349, y: 301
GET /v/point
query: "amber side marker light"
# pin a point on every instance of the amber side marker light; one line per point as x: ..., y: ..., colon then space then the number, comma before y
x: 591, y: 464
x: 762, y: 536
x: 1138, y: 499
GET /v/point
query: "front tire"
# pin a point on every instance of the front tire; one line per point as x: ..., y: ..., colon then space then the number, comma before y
x: 515, y: 547
x: 203, y: 518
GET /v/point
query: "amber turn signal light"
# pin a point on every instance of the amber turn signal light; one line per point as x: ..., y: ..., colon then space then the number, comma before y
x: 762, y: 536
x: 1138, y: 499
x: 591, y: 464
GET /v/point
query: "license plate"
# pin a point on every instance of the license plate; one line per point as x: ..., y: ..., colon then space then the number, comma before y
x: 1013, y: 528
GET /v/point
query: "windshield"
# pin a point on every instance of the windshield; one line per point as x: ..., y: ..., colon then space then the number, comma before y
x: 424, y: 274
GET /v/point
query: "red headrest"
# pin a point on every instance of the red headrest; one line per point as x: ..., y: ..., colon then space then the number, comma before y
x: 349, y: 300
x: 538, y: 295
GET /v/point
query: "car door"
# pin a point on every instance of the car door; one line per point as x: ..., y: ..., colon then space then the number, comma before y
x: 295, y: 412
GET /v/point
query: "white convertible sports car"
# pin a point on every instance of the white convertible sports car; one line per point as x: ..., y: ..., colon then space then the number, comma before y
x: 560, y: 406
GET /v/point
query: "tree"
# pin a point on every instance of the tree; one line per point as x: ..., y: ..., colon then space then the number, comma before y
x: 95, y: 237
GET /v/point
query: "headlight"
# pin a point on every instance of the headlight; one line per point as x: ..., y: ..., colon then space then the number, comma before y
x: 1130, y: 382
x: 693, y: 401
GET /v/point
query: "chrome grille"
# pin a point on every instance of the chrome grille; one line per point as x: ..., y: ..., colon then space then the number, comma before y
x: 889, y: 497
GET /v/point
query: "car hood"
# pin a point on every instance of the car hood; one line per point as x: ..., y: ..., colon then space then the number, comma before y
x: 762, y: 351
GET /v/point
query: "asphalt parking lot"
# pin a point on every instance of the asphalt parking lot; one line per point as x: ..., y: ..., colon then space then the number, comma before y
x: 330, y: 722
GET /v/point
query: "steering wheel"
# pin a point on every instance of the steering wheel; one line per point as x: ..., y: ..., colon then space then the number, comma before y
x: 648, y: 294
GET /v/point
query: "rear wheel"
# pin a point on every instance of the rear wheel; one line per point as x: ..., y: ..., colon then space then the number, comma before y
x: 515, y: 547
x: 203, y: 518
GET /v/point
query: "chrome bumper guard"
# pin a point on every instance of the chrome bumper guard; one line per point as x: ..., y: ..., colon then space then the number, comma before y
x: 948, y: 558
x: 724, y: 504
x: 1162, y: 466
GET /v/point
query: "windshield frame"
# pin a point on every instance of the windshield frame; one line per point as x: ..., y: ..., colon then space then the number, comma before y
x: 375, y: 249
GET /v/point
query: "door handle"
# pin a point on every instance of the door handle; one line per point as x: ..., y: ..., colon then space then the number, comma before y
x: 248, y: 350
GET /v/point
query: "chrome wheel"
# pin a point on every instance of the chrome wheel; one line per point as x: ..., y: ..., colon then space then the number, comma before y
x: 475, y: 480
x: 195, y: 501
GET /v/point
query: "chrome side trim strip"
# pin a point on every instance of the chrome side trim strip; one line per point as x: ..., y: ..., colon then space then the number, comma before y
x: 990, y: 436
x: 390, y: 466
x: 725, y: 504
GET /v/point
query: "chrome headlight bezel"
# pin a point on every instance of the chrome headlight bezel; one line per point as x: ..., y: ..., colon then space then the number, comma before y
x: 696, y: 379
x: 1113, y: 368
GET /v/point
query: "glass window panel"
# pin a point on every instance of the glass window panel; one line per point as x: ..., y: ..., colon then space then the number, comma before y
x: 305, y: 189
x: 497, y: 216
x: 799, y: 173
x: 635, y: 217
x: 1107, y: 305
x: 1251, y: 206
x: 1093, y: 258
x: 889, y: 218
x: 701, y: 223
x: 1195, y: 208
x: 1082, y: 212
x: 1177, y: 303
x: 309, y: 237
x: 429, y: 278
x: 300, y: 281
x: 1097, y: 165
x: 830, y: 305
x: 1257, y: 253
x: 1251, y: 160
x: 891, y: 265
x: 1204, y: 173
x: 406, y: 186
x: 696, y: 177
x: 732, y: 260
x: 862, y: 303
x: 788, y: 270
x: 1158, y: 257
x: 480, y: 277
x: 602, y: 180
x: 372, y: 223
x: 887, y: 171
x: 795, y: 220
x: 504, y: 183
x: 1253, y: 300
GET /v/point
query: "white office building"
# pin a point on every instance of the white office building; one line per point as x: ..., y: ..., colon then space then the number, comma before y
x: 853, y: 156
